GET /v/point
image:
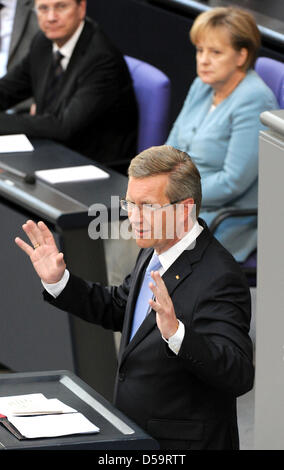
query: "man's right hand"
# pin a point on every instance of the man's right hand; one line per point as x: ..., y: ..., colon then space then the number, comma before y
x: 47, y: 261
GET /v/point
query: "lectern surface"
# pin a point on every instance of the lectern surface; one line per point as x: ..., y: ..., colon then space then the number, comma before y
x: 117, y: 432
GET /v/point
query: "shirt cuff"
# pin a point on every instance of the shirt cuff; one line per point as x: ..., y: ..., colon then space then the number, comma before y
x: 56, y: 288
x: 175, y: 341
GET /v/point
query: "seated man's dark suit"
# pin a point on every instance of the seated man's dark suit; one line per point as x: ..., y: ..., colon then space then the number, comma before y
x: 95, y: 109
x: 185, y: 401
x: 24, y: 29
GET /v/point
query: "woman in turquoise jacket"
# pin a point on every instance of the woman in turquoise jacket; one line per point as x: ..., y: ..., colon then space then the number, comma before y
x: 219, y: 123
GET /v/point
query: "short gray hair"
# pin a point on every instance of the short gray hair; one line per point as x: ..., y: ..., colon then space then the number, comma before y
x: 184, y: 177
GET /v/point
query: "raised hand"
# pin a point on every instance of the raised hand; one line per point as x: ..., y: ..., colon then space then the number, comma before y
x: 44, y: 255
x: 162, y: 304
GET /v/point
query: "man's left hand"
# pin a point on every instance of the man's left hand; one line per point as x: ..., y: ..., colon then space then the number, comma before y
x: 162, y: 304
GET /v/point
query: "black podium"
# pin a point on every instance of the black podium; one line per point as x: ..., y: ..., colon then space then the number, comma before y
x: 117, y: 432
x: 36, y: 336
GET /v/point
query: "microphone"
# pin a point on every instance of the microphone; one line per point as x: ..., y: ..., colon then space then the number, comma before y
x: 28, y: 178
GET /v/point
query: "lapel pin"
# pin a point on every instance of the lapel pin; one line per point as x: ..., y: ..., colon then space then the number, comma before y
x: 177, y: 276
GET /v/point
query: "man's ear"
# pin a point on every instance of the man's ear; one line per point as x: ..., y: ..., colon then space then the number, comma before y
x: 188, y: 213
x: 83, y: 9
x: 189, y: 207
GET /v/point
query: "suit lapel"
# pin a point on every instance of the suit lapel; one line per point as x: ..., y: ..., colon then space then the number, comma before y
x: 22, y: 13
x: 46, y: 61
x: 173, y: 277
x: 133, y: 293
x: 73, y: 69
x: 172, y: 280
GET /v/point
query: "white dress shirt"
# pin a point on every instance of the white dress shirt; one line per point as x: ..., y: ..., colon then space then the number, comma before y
x: 7, y: 15
x: 68, y: 48
x: 167, y: 259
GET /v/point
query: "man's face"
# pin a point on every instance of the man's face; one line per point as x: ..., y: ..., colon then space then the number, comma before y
x: 153, y: 228
x: 59, y: 19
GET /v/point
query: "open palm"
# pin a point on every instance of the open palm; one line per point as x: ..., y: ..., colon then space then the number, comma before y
x: 44, y: 255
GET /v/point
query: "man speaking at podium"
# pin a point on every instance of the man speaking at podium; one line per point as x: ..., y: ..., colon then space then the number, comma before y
x: 80, y: 83
x: 184, y: 311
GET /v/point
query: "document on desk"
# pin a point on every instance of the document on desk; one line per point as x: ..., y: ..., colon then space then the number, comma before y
x: 72, y: 174
x: 15, y: 143
x: 32, y: 427
x: 33, y: 403
x: 35, y: 416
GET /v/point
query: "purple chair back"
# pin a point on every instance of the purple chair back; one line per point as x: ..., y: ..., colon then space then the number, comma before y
x: 152, y: 89
x: 272, y: 73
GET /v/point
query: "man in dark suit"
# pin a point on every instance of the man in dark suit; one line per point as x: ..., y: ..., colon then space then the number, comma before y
x: 18, y: 27
x: 86, y: 99
x: 25, y: 26
x: 182, y: 364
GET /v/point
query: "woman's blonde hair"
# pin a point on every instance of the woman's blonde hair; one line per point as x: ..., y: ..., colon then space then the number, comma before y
x: 240, y: 25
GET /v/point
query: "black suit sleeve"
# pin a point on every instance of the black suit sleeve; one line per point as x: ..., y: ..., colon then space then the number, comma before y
x: 95, y: 93
x: 15, y: 86
x: 94, y: 303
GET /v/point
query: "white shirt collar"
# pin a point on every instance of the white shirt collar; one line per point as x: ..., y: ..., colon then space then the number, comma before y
x: 186, y: 243
x: 7, y: 16
x: 68, y: 48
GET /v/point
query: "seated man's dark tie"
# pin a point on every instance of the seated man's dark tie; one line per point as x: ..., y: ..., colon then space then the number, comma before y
x: 54, y: 80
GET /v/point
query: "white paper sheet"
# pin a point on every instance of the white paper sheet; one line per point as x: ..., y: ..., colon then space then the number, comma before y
x: 35, y: 416
x: 15, y: 143
x: 70, y: 174
x: 34, y: 403
x: 53, y: 425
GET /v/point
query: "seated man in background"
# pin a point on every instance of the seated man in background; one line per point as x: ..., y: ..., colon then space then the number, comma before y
x: 80, y: 82
x: 184, y: 360
x: 18, y: 26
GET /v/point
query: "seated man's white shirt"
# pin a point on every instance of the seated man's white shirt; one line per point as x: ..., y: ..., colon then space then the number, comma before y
x: 67, y: 49
x: 7, y: 15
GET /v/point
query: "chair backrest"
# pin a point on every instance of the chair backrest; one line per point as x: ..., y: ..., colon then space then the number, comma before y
x: 272, y: 73
x: 152, y: 89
